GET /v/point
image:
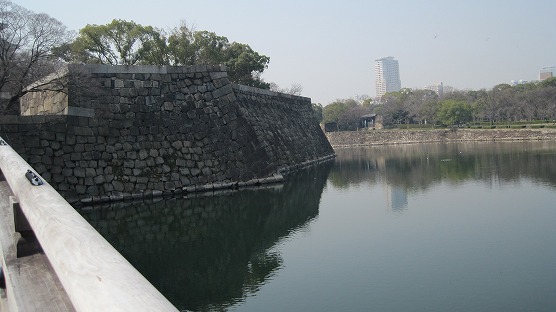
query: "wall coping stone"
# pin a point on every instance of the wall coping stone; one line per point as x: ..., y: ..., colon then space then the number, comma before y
x: 248, y: 89
x: 79, y: 111
x: 124, y: 69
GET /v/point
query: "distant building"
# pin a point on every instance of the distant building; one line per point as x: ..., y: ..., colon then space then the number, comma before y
x: 438, y: 88
x: 518, y: 82
x: 545, y: 73
x: 367, y: 121
x: 387, y: 79
x: 396, y: 199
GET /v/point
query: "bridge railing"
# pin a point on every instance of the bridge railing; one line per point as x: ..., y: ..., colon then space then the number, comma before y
x: 94, y: 275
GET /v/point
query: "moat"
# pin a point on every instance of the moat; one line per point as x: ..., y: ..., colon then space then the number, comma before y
x: 419, y: 227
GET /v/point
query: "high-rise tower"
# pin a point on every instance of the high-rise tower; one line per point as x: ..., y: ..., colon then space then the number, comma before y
x: 387, y: 76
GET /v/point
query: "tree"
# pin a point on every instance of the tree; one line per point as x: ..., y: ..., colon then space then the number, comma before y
x: 210, y: 48
x: 454, y: 112
x: 127, y: 43
x: 550, y: 82
x: 346, y: 113
x: 351, y: 118
x: 180, y: 46
x: 333, y: 112
x: 295, y: 89
x: 26, y: 43
x: 393, y: 109
x: 317, y: 110
x: 118, y: 43
x: 245, y: 65
x: 155, y: 49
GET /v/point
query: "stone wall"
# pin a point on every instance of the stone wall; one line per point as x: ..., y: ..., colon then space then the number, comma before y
x: 381, y: 137
x: 135, y: 131
x: 285, y: 125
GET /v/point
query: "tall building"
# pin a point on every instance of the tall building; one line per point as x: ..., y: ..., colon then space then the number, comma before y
x: 387, y: 78
x: 545, y: 73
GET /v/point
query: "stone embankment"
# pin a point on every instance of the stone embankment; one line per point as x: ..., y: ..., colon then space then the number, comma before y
x: 120, y: 132
x: 383, y: 137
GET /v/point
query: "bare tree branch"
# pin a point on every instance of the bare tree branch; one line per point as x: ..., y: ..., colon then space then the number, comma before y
x: 26, y: 43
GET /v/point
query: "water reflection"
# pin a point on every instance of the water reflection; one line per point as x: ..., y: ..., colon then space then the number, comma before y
x: 208, y: 253
x: 396, y: 199
x: 415, y: 168
x: 284, y: 248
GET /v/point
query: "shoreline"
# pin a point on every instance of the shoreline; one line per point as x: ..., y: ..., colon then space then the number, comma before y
x: 401, y: 136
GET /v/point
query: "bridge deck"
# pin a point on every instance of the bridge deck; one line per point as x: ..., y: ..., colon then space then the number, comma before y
x: 30, y: 280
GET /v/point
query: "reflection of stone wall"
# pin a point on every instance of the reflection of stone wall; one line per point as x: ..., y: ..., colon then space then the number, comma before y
x: 147, y: 130
x: 210, y: 249
x: 376, y: 137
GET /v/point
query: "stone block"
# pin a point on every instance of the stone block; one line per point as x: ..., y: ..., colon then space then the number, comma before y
x: 118, y: 186
x: 81, y: 189
x: 127, y: 147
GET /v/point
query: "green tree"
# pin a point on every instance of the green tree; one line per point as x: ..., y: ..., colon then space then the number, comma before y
x: 346, y: 113
x: 245, y: 65
x: 180, y: 46
x: 210, y: 48
x: 550, y: 82
x: 317, y: 110
x: 118, y: 43
x: 334, y: 111
x: 454, y: 112
x: 155, y: 49
x: 127, y: 43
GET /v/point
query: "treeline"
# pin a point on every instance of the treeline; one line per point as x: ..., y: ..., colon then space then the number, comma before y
x: 34, y: 45
x: 503, y: 103
x: 128, y: 43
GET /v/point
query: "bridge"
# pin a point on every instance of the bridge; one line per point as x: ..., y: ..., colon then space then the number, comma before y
x: 52, y: 259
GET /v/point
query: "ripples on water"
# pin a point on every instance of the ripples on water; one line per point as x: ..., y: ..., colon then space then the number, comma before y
x: 427, y: 227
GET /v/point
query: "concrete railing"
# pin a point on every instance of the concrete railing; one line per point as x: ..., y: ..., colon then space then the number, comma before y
x: 94, y: 275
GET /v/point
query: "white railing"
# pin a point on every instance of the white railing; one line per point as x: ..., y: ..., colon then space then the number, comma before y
x: 95, y: 276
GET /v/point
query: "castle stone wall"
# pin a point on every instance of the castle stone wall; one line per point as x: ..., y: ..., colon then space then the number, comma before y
x: 139, y: 131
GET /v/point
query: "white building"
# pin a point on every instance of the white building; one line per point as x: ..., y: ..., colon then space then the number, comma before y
x: 438, y: 88
x: 387, y: 76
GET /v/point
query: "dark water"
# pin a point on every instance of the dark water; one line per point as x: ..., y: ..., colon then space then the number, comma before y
x: 428, y: 227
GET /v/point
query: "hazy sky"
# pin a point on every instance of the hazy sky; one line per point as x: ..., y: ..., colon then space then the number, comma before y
x: 329, y: 47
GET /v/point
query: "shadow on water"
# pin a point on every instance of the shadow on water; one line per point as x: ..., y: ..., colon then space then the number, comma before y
x: 207, y: 253
x: 418, y: 167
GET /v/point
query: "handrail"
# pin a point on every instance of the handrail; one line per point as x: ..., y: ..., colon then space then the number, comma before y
x: 95, y: 276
